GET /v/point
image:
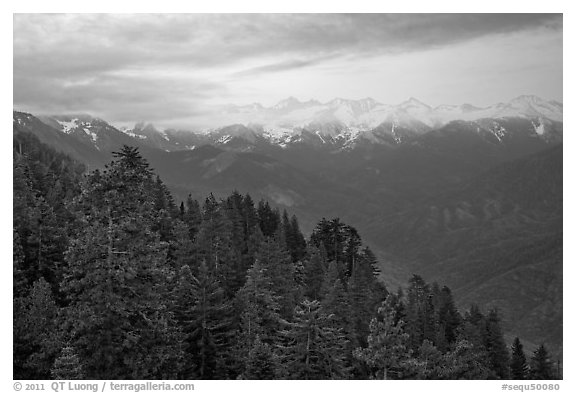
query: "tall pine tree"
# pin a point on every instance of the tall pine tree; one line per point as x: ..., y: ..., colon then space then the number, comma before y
x: 208, y: 327
x: 387, y: 348
x: 518, y: 364
x: 316, y: 348
x: 116, y: 286
x: 540, y: 365
x: 259, y: 309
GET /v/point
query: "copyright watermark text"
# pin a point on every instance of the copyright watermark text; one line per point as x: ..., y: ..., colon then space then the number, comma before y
x: 103, y: 386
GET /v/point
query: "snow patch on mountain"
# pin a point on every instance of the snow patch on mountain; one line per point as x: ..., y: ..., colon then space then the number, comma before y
x: 320, y: 136
x: 396, y: 137
x: 224, y: 139
x: 163, y: 134
x: 68, y: 126
x: 132, y: 134
x: 539, y: 128
x: 498, y: 131
x: 91, y: 134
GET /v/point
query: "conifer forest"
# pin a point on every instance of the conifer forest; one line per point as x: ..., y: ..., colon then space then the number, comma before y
x: 116, y: 279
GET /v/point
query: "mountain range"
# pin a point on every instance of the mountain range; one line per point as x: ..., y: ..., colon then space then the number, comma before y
x: 337, y: 125
x: 368, y: 113
x: 470, y: 197
x: 345, y: 124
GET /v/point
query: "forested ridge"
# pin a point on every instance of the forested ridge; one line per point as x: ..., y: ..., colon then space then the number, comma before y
x: 114, y: 279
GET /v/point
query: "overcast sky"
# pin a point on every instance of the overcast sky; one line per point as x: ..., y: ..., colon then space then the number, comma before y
x: 173, y: 69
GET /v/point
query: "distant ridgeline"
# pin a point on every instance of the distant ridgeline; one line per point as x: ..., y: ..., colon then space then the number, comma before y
x: 113, y: 279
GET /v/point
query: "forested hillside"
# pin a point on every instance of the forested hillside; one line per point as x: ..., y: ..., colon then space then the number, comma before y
x: 114, y: 279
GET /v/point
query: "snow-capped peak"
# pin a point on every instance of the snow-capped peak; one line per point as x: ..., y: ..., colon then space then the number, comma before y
x: 529, y: 106
x: 292, y: 120
x: 144, y: 130
x: 413, y: 103
x: 287, y: 103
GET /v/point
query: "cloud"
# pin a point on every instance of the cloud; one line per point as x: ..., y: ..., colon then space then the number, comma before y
x: 286, y: 65
x: 133, y: 65
x: 87, y: 43
x: 121, y: 99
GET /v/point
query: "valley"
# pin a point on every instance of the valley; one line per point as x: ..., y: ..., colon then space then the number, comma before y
x: 470, y: 197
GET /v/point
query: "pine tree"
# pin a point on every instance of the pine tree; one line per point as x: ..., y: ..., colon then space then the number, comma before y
x: 116, y: 282
x: 387, y: 348
x: 359, y: 296
x: 367, y: 262
x: 440, y: 340
x: 183, y: 298
x: 279, y: 267
x: 233, y: 210
x: 298, y: 245
x: 208, y: 327
x: 351, y: 250
x: 51, y: 242
x: 181, y: 211
x: 214, y: 245
x: 295, y: 242
x: 44, y: 181
x: 474, y: 327
x: 432, y: 360
x: 252, y: 237
x: 397, y: 302
x: 448, y: 319
x: 365, y: 295
x: 239, y: 242
x: 19, y: 282
x: 316, y: 349
x: 259, y: 311
x: 335, y: 304
x: 182, y: 250
x: 43, y: 240
x: 518, y: 364
x: 36, y: 335
x: 268, y: 219
x: 67, y: 365
x: 314, y: 270
x: 420, y: 319
x: 540, y: 365
x: 496, y: 346
x: 262, y: 362
x: 193, y: 216
x: 331, y: 236
x: 213, y: 238
x: 250, y: 216
x: 429, y: 364
x: 465, y: 362
x: 329, y: 279
x: 166, y: 208
x: 472, y: 337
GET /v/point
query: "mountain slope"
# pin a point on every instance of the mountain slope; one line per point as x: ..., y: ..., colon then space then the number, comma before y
x: 211, y: 169
x: 81, y: 151
x: 85, y: 138
x: 496, y: 241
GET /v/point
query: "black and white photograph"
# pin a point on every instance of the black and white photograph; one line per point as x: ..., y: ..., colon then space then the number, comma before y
x: 287, y: 196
